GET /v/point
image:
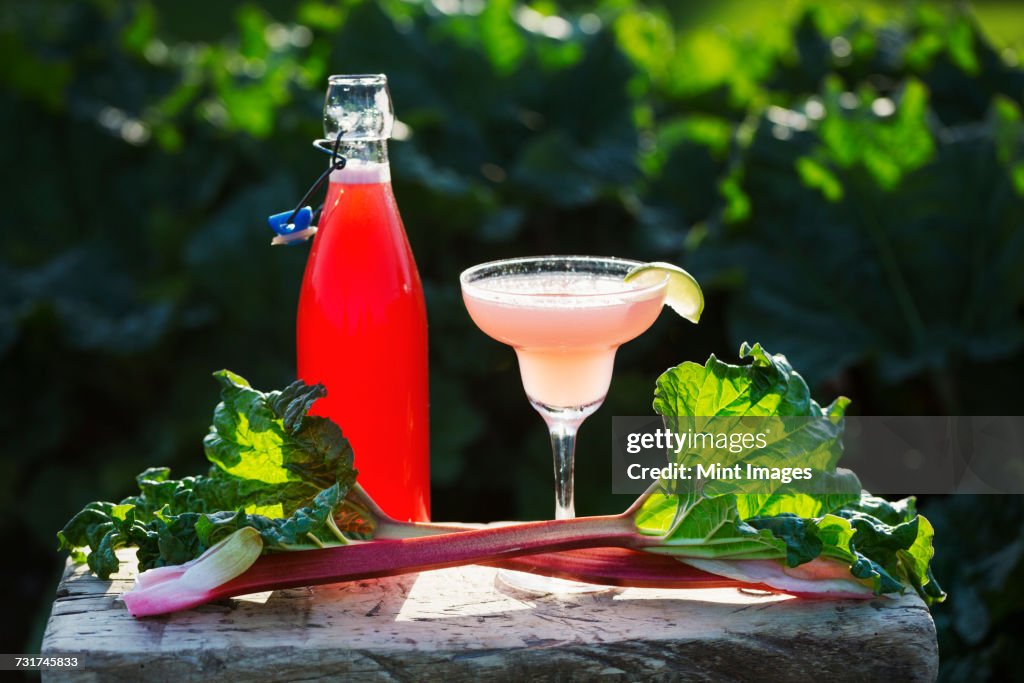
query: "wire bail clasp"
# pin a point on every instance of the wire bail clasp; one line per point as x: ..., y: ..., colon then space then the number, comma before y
x: 295, y: 226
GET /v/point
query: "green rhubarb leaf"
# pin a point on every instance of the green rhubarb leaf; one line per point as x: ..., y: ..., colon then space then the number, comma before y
x: 891, y: 557
x: 270, y: 438
x: 246, y: 438
x: 903, y: 550
x: 890, y: 512
x: 276, y: 469
x: 102, y: 528
x: 832, y: 491
x: 800, y: 536
x: 217, y: 491
x: 177, y: 539
x: 691, y: 397
x: 885, y: 544
x: 704, y: 527
x: 307, y: 527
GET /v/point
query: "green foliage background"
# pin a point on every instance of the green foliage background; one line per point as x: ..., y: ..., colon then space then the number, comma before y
x: 845, y: 179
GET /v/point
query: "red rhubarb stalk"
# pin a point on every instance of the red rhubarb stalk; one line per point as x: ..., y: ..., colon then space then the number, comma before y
x: 389, y: 557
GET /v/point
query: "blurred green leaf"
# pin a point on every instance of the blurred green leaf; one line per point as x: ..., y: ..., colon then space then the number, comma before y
x: 887, y: 146
x: 911, y: 280
x: 137, y: 34
x: 501, y: 39
x: 646, y: 37
x: 815, y: 175
x: 37, y: 77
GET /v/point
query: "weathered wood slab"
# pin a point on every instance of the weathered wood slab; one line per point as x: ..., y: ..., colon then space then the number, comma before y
x: 455, y: 625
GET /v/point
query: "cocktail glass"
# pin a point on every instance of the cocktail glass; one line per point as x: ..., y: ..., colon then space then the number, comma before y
x: 565, y: 316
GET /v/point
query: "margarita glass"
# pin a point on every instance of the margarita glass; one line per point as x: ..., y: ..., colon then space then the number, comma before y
x: 565, y: 316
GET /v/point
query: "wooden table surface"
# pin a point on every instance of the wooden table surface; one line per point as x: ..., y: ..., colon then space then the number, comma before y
x: 455, y: 625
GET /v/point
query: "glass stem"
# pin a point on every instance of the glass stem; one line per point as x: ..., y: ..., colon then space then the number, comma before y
x: 563, y: 447
x: 563, y: 424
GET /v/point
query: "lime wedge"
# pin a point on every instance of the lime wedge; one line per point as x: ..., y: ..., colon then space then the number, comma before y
x: 683, y: 295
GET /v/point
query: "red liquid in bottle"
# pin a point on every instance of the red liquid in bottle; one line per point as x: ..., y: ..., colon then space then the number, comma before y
x: 362, y: 332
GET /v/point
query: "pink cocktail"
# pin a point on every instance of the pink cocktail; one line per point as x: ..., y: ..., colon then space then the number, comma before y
x: 565, y: 316
x: 565, y: 328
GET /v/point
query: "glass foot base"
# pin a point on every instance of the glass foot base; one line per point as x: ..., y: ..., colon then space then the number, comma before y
x: 537, y: 585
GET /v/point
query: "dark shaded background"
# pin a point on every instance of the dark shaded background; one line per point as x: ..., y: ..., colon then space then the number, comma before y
x: 846, y: 181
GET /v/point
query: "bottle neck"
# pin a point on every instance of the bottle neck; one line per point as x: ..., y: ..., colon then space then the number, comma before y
x: 366, y: 161
x: 367, y: 151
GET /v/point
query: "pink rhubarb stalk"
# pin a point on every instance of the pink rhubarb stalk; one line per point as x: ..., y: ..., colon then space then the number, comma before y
x: 388, y: 557
x: 169, y: 589
x: 819, y: 578
x: 593, y: 549
x: 564, y: 548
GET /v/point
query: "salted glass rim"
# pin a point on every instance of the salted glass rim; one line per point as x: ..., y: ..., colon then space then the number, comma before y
x: 476, y: 277
x: 357, y: 79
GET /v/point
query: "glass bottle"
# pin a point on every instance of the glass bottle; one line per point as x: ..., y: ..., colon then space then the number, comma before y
x: 362, y: 323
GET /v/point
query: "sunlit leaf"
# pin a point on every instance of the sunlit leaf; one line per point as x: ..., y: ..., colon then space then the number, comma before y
x: 815, y: 175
